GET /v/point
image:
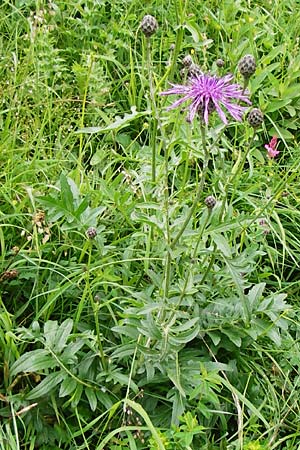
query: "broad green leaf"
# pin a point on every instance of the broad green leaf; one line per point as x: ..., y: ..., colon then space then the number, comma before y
x: 46, y: 386
x: 235, y: 273
x: 215, y: 337
x: 278, y: 50
x: 194, y: 29
x: 233, y: 335
x: 77, y: 395
x: 124, y: 380
x: 221, y: 244
x: 274, y: 335
x: 149, y: 328
x: 82, y: 207
x: 274, y: 303
x: 175, y: 378
x: 69, y: 354
x: 66, y: 193
x: 50, y: 330
x: 104, y: 398
x: 62, y: 335
x: 178, y: 406
x: 123, y: 351
x: 67, y: 387
x: 127, y: 330
x: 255, y: 294
x: 34, y: 361
x: 274, y: 105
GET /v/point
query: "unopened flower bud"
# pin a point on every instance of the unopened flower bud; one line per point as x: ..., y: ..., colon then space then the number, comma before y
x: 247, y: 66
x: 187, y: 61
x: 255, y: 118
x: 210, y: 201
x: 220, y: 62
x: 149, y: 25
x: 91, y: 233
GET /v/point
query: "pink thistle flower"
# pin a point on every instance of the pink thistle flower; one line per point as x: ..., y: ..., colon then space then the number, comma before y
x: 271, y: 148
x: 207, y: 93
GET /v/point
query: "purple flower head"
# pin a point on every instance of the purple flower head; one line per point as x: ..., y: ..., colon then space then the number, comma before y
x: 207, y: 93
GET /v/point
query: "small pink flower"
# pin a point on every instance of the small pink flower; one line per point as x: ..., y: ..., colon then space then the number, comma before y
x: 271, y: 148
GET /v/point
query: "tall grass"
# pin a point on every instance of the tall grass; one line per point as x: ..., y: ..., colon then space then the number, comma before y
x: 132, y: 315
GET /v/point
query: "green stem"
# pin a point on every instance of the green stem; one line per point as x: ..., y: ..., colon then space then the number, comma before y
x: 199, y: 190
x: 194, y: 254
x: 180, y: 8
x: 154, y: 110
x: 236, y: 170
x: 84, y: 101
x: 168, y: 263
x: 87, y: 294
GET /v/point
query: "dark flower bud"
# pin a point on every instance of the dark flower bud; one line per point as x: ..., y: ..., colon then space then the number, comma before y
x: 91, y: 233
x: 149, y: 25
x: 255, y: 118
x: 220, y: 62
x: 210, y: 201
x: 247, y: 66
x: 187, y: 61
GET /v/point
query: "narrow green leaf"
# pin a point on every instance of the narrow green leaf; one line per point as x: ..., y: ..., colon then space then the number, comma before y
x: 120, y: 122
x: 92, y: 398
x: 184, y: 338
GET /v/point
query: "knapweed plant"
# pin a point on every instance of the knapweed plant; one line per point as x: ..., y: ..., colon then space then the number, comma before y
x: 201, y: 305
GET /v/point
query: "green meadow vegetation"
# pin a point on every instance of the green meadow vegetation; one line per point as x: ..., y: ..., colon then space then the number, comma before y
x: 150, y: 279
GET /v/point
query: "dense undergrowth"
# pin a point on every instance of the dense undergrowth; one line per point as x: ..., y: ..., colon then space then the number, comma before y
x: 149, y: 266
